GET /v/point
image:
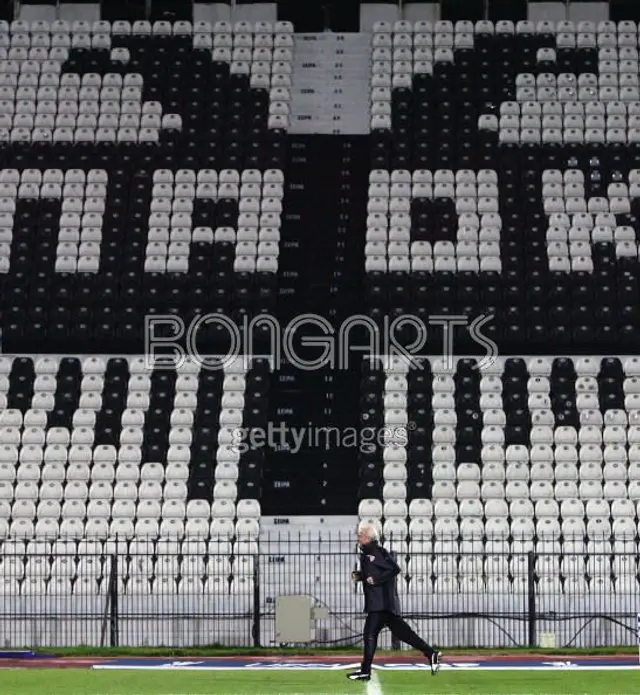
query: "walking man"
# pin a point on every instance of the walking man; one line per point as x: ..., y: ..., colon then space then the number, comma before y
x: 378, y: 572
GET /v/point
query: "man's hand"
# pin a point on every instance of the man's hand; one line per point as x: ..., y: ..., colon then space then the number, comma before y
x: 356, y: 576
x: 370, y: 581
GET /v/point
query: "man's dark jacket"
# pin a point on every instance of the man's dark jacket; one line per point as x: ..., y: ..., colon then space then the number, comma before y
x: 376, y: 562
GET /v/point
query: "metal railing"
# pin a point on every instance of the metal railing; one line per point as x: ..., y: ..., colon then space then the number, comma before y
x: 200, y: 595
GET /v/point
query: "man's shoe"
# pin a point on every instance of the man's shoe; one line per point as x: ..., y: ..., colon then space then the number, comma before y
x: 434, y: 661
x: 359, y: 676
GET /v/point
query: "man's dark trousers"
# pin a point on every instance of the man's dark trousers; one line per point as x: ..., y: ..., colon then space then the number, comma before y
x: 375, y: 622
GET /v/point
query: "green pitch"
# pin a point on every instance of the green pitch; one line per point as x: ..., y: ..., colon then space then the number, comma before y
x: 85, y: 682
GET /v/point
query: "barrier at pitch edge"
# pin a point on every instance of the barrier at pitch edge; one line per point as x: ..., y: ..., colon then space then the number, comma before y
x: 284, y: 665
x: 21, y: 654
x: 638, y: 636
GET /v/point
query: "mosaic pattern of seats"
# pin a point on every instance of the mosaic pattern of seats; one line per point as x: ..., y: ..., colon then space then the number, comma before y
x: 139, y: 161
x: 481, y: 467
x: 505, y: 164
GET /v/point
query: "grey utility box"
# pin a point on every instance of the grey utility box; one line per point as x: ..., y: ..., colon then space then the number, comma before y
x: 295, y: 616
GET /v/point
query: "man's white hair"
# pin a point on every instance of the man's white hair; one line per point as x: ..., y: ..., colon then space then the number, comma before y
x: 370, y: 529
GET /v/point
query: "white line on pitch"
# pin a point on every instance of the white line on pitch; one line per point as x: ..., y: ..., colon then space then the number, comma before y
x: 373, y: 686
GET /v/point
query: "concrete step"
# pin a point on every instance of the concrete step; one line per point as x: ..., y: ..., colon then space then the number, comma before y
x: 316, y: 70
x: 316, y: 128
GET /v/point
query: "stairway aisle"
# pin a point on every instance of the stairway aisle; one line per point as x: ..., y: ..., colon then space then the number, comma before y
x: 331, y: 77
x: 315, y: 412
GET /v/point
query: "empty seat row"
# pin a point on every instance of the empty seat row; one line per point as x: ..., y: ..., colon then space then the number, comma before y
x: 566, y: 122
x: 624, y: 586
x: 211, y: 176
x: 562, y: 135
x: 570, y: 108
x: 431, y: 509
x: 520, y: 489
x: 398, y: 372
x: 99, y: 551
x: 603, y: 79
x: 101, y: 528
x: 61, y: 587
x: 74, y: 92
x: 146, y: 502
x: 448, y: 528
x: 404, y: 177
x: 142, y: 27
x: 523, y: 27
x: 399, y: 193
x: 104, y: 489
x: 144, y: 565
x: 107, y: 123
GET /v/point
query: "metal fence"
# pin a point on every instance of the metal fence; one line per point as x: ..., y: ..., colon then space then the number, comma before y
x: 198, y: 593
